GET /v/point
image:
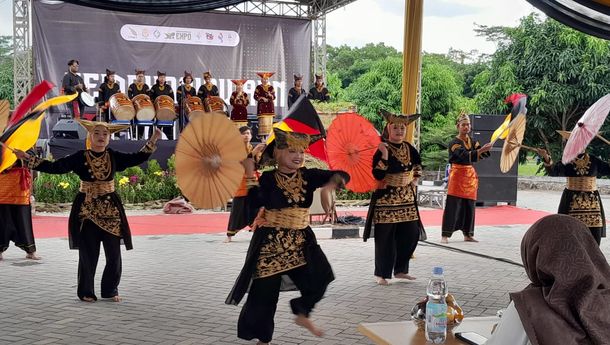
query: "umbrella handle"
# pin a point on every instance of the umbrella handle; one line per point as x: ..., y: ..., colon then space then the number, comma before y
x: 603, y: 139
x: 528, y: 148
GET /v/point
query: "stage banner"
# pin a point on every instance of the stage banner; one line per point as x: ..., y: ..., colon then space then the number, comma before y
x: 230, y: 46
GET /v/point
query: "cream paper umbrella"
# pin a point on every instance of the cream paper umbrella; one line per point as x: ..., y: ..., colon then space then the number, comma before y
x: 208, y: 160
x: 512, y: 143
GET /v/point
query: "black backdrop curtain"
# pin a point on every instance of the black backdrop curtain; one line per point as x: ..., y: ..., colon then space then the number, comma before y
x: 587, y: 16
x: 156, y: 6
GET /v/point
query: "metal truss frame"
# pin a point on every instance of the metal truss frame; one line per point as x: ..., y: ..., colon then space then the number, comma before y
x: 22, y: 57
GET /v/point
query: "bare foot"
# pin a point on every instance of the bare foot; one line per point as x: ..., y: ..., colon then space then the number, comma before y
x: 444, y: 240
x: 381, y: 281
x: 116, y: 298
x: 32, y: 256
x: 88, y: 299
x: 228, y: 240
x: 404, y: 276
x: 469, y: 239
x: 305, y: 322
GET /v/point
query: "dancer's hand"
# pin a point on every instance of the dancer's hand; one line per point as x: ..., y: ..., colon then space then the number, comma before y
x: 486, y: 148
x: 21, y: 155
x: 258, y: 149
x: 383, y: 148
x: 544, y: 154
x: 249, y: 166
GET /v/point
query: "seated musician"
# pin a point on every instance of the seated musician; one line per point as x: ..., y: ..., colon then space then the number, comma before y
x: 161, y: 87
x: 106, y: 90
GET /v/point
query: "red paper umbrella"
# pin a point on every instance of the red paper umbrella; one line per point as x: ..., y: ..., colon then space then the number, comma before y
x: 586, y: 129
x: 351, y: 143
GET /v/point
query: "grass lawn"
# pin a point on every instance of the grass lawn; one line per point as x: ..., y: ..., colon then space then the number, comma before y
x: 529, y: 168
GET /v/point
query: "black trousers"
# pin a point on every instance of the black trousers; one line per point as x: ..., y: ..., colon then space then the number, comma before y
x: 88, y: 255
x: 394, y: 246
x: 458, y: 215
x: 597, y: 234
x: 256, y: 317
x: 16, y: 226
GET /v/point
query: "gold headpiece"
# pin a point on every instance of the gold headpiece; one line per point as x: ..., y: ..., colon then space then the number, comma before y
x: 265, y: 74
x: 207, y: 74
x: 90, y: 126
x: 294, y: 140
x: 461, y: 118
x: 398, y: 118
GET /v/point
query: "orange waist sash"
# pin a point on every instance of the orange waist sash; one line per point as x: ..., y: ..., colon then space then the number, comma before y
x: 463, y: 182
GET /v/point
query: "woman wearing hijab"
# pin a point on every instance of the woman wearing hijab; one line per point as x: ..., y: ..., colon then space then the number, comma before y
x: 568, y: 300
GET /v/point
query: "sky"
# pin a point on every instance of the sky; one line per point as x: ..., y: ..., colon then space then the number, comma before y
x: 447, y: 23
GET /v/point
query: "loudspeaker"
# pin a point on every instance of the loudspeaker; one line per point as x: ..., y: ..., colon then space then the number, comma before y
x: 484, y: 137
x: 495, y: 186
x: 69, y: 129
x: 482, y: 122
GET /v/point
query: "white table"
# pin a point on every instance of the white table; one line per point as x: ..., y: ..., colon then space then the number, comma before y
x: 407, y: 333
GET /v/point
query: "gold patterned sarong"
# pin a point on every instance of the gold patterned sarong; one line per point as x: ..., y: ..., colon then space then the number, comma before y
x: 282, y: 249
x: 99, y: 208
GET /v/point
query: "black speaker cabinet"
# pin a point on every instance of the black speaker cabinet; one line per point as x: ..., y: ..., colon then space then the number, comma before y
x: 495, y: 186
x: 69, y: 129
x: 484, y: 137
x: 482, y: 122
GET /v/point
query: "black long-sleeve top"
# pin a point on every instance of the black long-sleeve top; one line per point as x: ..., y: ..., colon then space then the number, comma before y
x: 69, y: 82
x: 319, y: 95
x: 206, y: 90
x: 293, y: 95
x: 137, y: 89
x: 106, y: 91
x: 158, y: 90
x: 465, y: 152
x: 189, y: 92
x: 106, y: 210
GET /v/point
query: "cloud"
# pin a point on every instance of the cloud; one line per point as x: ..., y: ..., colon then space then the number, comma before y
x: 445, y: 8
x: 446, y: 24
x: 6, y: 17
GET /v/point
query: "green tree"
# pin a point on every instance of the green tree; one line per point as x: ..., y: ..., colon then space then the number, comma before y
x: 350, y: 63
x: 440, y: 87
x: 562, y: 71
x: 6, y: 68
x: 379, y: 88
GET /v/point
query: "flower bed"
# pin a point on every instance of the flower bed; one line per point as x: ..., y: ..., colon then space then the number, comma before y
x: 133, y: 185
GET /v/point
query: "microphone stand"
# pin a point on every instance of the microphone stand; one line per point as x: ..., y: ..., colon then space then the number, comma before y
x: 182, y: 120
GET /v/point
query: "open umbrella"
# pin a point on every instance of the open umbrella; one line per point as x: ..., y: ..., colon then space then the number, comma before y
x: 28, y: 102
x: 23, y: 134
x: 512, y: 144
x: 208, y: 160
x: 566, y: 135
x: 351, y: 143
x: 586, y: 128
x: 4, y: 113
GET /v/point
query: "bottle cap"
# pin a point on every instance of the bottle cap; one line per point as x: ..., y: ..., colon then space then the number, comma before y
x: 437, y: 270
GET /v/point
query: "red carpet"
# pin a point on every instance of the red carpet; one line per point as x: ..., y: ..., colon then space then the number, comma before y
x: 48, y: 226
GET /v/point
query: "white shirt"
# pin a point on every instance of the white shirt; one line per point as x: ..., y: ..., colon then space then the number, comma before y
x: 510, y: 330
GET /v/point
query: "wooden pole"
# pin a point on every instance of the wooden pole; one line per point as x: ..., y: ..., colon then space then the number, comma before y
x: 411, y: 60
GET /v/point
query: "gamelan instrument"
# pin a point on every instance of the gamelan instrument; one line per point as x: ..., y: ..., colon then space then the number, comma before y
x: 121, y: 107
x: 165, y: 108
x: 145, y: 109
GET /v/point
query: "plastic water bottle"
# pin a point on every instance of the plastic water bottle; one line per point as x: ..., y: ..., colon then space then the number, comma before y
x: 436, y: 308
